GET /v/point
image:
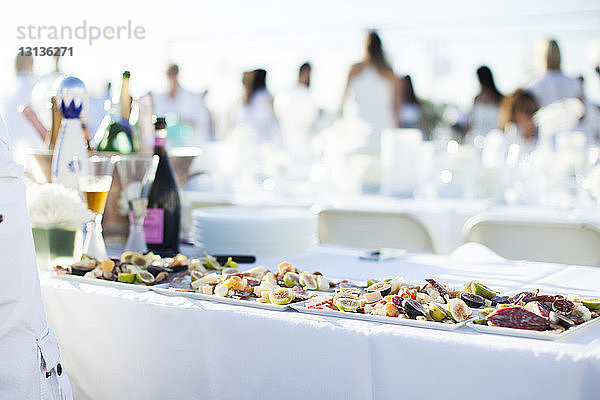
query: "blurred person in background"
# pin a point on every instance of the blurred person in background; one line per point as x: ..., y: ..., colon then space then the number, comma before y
x: 16, y: 98
x: 409, y: 112
x: 297, y: 112
x: 486, y: 105
x: 553, y: 85
x: 372, y: 91
x: 187, y: 116
x: 255, y: 109
x: 517, y: 127
x: 43, y: 91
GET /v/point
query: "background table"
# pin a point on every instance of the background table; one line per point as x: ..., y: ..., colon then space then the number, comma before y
x: 119, y: 344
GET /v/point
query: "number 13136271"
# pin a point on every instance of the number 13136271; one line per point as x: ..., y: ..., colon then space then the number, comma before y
x: 46, y: 51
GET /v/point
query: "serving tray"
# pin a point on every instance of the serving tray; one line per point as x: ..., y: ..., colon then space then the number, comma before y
x: 542, y: 335
x: 136, y: 287
x: 301, y: 307
x: 226, y: 300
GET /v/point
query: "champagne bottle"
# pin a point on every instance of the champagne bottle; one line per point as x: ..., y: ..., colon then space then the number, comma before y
x: 163, y: 217
x: 118, y: 136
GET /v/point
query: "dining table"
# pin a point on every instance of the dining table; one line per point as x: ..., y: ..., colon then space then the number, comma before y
x: 118, y: 343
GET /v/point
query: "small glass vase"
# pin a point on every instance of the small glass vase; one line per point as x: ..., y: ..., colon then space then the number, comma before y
x: 57, y: 246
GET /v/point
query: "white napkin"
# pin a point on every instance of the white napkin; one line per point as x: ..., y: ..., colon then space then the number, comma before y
x: 475, y: 253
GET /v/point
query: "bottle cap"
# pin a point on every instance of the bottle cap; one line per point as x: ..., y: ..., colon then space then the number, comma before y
x: 160, y: 123
x: 126, y: 75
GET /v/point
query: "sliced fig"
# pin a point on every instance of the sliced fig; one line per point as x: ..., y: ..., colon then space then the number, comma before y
x: 563, y: 306
x: 472, y: 300
x: 290, y: 279
x: 346, y: 304
x: 308, y: 280
x: 281, y: 296
x: 482, y: 290
x: 458, y: 310
x: 413, y: 309
x: 382, y: 287
x: 437, y: 312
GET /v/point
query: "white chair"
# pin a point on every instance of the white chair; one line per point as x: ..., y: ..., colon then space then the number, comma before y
x: 373, y: 229
x: 537, y: 240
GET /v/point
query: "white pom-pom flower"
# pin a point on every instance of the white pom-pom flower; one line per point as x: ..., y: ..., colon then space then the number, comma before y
x: 54, y: 205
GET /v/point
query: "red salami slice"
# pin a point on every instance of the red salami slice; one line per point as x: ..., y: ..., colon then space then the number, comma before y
x: 563, y: 306
x: 518, y: 318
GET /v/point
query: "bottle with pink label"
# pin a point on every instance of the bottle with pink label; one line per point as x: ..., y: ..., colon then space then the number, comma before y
x: 163, y: 217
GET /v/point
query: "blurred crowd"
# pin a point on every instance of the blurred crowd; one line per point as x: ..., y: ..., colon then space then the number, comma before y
x: 265, y: 136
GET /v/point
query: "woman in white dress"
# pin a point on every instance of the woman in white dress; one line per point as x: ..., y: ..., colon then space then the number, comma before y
x: 255, y: 110
x: 518, y: 127
x: 372, y: 91
x: 486, y: 105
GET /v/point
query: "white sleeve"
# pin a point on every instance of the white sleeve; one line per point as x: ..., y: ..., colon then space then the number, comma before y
x: 4, y: 136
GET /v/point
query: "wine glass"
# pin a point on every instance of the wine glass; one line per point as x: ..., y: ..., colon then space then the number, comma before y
x: 136, y: 173
x: 94, y: 185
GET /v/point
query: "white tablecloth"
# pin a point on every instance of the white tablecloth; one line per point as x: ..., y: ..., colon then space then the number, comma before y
x: 119, y: 344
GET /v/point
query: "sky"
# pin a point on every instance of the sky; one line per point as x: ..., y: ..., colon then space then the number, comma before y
x: 439, y: 43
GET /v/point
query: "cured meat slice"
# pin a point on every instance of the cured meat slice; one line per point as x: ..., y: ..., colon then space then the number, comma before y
x: 546, y: 298
x: 563, y: 306
x: 518, y: 318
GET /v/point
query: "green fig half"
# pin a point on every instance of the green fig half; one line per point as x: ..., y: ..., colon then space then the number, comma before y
x: 308, y: 280
x: 458, y: 310
x: 290, y: 279
x: 480, y: 289
x: 281, y: 296
x: 346, y: 304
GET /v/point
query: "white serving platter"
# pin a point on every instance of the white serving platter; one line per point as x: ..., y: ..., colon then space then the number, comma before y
x: 137, y: 287
x: 300, y: 307
x: 226, y: 300
x: 542, y: 335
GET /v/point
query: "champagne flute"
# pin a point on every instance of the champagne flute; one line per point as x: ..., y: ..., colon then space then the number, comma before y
x: 94, y: 185
x: 136, y: 173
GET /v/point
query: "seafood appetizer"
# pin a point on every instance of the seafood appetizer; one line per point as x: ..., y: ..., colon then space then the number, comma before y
x: 394, y: 298
x: 131, y: 267
x: 532, y: 310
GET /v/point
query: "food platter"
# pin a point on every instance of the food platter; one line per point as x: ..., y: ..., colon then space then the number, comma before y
x: 226, y: 300
x: 136, y: 287
x: 300, y: 307
x: 542, y: 335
